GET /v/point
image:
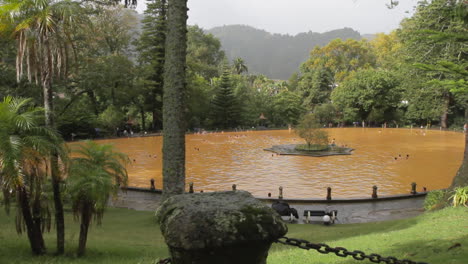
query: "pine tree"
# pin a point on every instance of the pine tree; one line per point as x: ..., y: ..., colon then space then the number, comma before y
x: 225, y: 107
x: 152, y: 51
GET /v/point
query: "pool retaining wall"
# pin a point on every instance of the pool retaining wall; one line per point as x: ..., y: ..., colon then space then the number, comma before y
x: 352, y: 210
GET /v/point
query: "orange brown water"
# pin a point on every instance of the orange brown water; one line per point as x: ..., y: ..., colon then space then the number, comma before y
x: 224, y: 159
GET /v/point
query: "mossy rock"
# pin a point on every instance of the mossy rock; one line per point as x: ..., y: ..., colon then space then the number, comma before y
x: 215, y: 220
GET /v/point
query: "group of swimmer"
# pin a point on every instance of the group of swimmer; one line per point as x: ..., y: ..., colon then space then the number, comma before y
x: 149, y: 156
x: 237, y: 136
x: 401, y: 157
x: 333, y: 144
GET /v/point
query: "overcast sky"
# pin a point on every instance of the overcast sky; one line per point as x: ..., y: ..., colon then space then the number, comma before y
x: 295, y: 16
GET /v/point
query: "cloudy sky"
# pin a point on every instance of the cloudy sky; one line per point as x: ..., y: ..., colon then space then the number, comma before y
x: 295, y: 16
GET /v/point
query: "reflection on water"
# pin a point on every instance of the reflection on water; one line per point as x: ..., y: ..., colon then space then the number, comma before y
x: 216, y: 161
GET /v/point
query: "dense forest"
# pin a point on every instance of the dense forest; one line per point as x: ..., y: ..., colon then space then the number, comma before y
x: 276, y: 56
x: 107, y: 74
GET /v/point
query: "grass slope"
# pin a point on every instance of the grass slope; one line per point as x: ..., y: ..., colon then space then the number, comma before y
x: 128, y: 236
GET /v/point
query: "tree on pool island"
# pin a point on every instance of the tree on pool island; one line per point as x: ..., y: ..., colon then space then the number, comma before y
x: 310, y: 130
x: 95, y: 174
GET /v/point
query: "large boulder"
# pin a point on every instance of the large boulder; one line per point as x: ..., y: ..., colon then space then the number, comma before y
x: 220, y: 227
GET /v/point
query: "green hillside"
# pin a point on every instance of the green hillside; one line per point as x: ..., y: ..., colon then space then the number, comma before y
x: 275, y: 55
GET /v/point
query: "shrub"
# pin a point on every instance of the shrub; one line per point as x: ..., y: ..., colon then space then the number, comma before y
x: 311, y: 147
x: 434, y: 199
x: 310, y: 130
x: 460, y: 197
x: 111, y: 118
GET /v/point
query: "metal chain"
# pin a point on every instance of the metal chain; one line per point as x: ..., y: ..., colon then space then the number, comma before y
x: 165, y: 261
x: 342, y: 252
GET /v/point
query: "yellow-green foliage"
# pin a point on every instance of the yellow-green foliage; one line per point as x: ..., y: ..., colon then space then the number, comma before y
x: 310, y: 130
x: 460, y: 197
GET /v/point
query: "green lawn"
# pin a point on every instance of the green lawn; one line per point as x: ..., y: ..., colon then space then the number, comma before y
x: 128, y: 236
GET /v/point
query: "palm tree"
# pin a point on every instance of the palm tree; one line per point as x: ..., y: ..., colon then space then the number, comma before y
x: 42, y: 31
x: 25, y: 150
x: 239, y: 66
x: 95, y: 175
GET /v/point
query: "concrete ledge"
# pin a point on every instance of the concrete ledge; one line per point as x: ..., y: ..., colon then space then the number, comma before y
x: 290, y: 149
x: 345, y: 200
x: 139, y: 189
x: 350, y: 210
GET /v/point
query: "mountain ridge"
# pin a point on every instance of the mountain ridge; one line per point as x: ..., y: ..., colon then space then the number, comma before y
x: 275, y: 55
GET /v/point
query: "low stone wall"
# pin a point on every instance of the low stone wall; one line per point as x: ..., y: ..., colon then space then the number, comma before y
x: 360, y: 210
x: 357, y: 210
x: 140, y: 199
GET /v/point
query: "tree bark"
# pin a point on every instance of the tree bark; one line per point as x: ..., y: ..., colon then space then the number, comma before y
x: 143, y: 123
x: 33, y: 228
x: 59, y: 217
x: 46, y: 80
x: 154, y: 124
x: 84, y: 226
x: 174, y: 100
x: 461, y: 178
x: 444, y: 116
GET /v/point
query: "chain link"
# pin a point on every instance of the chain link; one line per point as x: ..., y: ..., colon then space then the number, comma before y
x: 165, y: 261
x: 343, y: 252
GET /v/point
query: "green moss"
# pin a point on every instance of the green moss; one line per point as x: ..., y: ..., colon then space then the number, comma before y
x: 434, y: 199
x: 308, y: 148
x: 262, y: 219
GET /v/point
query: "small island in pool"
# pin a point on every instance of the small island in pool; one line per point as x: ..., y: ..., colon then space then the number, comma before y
x: 302, y: 150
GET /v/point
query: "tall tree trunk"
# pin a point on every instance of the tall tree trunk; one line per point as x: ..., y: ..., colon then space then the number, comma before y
x: 113, y: 89
x: 143, y: 122
x: 33, y: 229
x: 94, y: 101
x: 84, y: 226
x: 445, y: 110
x: 461, y: 178
x: 50, y: 122
x: 174, y: 99
x: 154, y: 124
x: 59, y: 216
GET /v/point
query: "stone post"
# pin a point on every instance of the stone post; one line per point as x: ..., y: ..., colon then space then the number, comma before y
x: 413, y: 188
x: 152, y: 186
x: 220, y: 227
x: 374, y: 192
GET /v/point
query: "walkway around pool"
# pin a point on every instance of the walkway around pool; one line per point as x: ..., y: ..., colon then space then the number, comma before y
x: 356, y: 210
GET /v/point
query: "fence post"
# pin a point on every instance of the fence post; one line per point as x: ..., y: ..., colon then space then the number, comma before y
x: 219, y: 227
x: 413, y: 188
x: 152, y: 186
x: 374, y: 192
